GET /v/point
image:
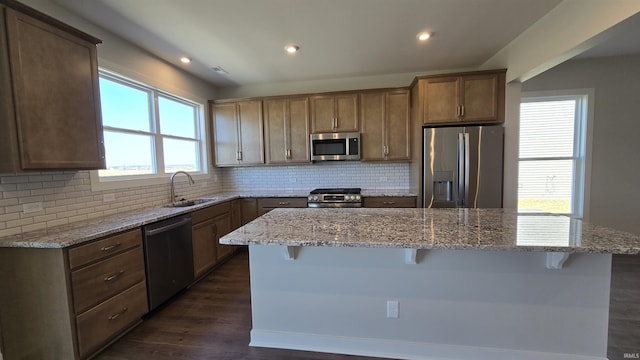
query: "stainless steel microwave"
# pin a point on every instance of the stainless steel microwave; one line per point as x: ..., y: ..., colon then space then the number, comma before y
x: 335, y: 146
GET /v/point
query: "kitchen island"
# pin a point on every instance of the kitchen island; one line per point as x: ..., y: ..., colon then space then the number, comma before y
x: 469, y: 283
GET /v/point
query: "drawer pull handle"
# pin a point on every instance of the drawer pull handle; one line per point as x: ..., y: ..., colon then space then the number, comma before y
x: 111, y: 247
x: 283, y: 203
x: 114, y: 276
x: 117, y: 315
x: 389, y: 202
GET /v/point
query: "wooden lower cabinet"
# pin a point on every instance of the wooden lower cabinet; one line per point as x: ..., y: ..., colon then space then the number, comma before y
x: 389, y: 201
x: 248, y: 210
x: 208, y: 226
x: 267, y: 204
x: 69, y: 303
x: 99, y: 324
x: 110, y: 293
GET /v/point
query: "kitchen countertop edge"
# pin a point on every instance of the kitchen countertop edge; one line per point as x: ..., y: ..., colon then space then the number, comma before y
x: 76, y: 233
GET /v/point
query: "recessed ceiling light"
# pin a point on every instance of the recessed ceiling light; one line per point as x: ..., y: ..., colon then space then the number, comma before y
x: 185, y: 60
x: 292, y: 48
x: 423, y: 36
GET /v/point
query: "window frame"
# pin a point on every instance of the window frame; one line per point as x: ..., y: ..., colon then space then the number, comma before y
x: 159, y: 176
x: 582, y: 144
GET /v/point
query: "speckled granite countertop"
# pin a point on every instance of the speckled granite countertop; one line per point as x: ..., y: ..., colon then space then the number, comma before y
x: 482, y: 229
x: 79, y: 232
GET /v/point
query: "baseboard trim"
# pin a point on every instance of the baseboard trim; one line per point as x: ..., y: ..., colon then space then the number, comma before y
x: 396, y: 349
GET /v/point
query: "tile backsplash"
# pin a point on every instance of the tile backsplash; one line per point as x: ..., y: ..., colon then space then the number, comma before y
x: 368, y: 176
x: 66, y: 196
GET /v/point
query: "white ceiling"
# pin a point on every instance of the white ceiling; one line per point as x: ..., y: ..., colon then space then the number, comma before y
x: 338, y: 38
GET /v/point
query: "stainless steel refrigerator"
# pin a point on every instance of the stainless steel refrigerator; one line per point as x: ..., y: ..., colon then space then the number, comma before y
x: 462, y: 167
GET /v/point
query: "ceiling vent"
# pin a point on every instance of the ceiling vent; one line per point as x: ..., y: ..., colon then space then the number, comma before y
x: 219, y: 70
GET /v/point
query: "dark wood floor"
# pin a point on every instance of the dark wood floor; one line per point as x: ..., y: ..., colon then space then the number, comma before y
x: 212, y: 320
x: 624, y: 310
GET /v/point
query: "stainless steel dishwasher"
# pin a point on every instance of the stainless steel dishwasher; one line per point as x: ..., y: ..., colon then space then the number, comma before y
x: 168, y: 258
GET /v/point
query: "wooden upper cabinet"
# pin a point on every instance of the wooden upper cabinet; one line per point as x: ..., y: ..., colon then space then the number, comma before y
x: 250, y: 132
x: 286, y: 130
x: 477, y: 97
x: 480, y: 96
x: 50, y: 105
x: 237, y: 135
x: 442, y: 100
x: 385, y: 124
x: 334, y: 112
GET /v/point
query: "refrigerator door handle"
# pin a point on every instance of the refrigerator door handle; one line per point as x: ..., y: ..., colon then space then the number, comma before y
x: 466, y: 200
x: 460, y: 193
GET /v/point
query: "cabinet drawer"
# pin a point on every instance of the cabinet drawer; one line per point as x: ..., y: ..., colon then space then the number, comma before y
x: 100, y: 249
x: 389, y: 202
x: 106, y: 320
x: 210, y: 212
x: 284, y: 202
x: 99, y: 281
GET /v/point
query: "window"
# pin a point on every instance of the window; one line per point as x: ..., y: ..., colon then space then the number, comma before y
x: 552, y: 155
x: 147, y: 132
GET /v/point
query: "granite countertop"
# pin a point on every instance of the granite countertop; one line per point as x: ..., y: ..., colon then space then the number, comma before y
x: 481, y: 229
x: 83, y: 231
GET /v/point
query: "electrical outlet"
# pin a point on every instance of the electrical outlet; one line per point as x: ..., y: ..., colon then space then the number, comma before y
x: 392, y: 309
x: 108, y: 197
x: 31, y: 207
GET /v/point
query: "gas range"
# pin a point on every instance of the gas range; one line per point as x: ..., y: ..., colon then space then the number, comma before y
x: 335, y: 198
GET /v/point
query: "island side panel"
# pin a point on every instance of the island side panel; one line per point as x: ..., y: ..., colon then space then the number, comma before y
x: 497, y: 304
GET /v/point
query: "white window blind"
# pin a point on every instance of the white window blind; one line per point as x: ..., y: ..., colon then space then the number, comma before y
x: 551, y: 154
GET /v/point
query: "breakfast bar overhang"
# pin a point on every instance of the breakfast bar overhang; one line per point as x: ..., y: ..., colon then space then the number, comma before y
x: 469, y: 283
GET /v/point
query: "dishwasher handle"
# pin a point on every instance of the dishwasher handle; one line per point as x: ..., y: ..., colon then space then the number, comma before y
x: 151, y: 231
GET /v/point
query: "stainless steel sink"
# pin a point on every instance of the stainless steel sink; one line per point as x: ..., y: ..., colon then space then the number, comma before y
x: 187, y: 203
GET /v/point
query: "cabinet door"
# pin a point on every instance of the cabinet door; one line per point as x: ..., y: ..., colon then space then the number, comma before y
x: 479, y: 94
x: 236, y: 214
x: 56, y: 96
x: 276, y: 138
x: 398, y: 126
x: 322, y: 113
x: 249, y: 210
x: 250, y: 128
x: 223, y: 227
x: 372, y: 117
x: 441, y: 100
x: 298, y: 130
x: 346, y: 112
x: 204, y: 238
x: 225, y: 137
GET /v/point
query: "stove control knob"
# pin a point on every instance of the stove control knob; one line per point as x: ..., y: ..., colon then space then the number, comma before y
x: 358, y: 197
x: 310, y: 198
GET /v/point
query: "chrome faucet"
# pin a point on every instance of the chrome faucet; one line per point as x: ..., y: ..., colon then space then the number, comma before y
x: 173, y: 191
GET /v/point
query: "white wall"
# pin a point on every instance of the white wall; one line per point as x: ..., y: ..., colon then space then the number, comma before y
x: 615, y: 170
